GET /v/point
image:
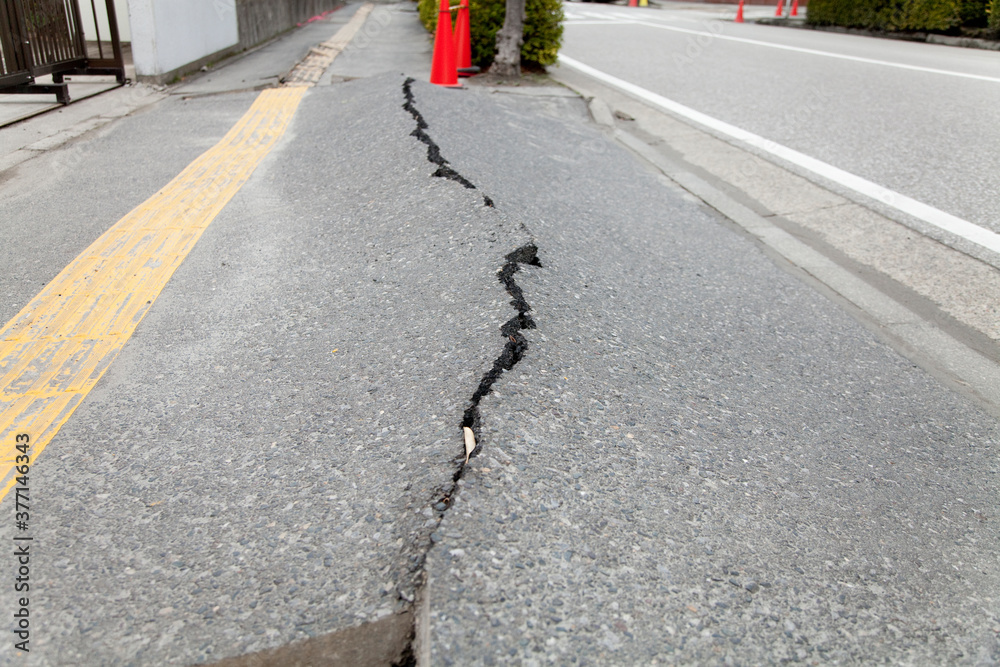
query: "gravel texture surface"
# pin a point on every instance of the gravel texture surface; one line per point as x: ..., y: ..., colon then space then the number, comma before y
x: 55, y: 205
x: 260, y: 464
x: 699, y: 460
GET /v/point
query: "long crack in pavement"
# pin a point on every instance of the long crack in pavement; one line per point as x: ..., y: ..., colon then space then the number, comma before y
x: 444, y: 169
x: 515, y: 344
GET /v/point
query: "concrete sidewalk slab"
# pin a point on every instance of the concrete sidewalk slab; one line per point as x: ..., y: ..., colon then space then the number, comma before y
x: 14, y: 108
x: 25, y: 140
x: 50, y: 125
x: 392, y: 40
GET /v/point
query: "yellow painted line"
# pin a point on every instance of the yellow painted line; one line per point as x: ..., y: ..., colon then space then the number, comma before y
x: 60, y: 344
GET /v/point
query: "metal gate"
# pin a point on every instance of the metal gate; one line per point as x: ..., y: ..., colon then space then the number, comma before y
x: 43, y: 37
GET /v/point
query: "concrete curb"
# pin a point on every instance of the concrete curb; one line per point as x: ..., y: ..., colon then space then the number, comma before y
x: 946, y: 358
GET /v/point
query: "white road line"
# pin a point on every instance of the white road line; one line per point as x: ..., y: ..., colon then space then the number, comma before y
x: 797, y: 49
x: 666, y: 18
x: 936, y: 217
x: 605, y: 16
x: 569, y: 21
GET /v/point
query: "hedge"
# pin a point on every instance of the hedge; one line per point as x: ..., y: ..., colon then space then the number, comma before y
x: 905, y: 15
x: 542, y: 28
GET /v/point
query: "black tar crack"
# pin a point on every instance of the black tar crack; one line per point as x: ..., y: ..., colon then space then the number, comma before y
x: 434, y: 156
x: 515, y: 344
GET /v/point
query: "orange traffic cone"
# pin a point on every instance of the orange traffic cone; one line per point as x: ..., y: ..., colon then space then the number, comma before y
x: 443, y: 69
x: 777, y: 11
x: 463, y: 42
x: 633, y: 3
x: 739, y: 12
x: 795, y: 8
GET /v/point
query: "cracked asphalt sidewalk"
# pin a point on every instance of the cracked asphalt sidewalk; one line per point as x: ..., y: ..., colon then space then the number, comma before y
x: 695, y: 459
x: 266, y: 459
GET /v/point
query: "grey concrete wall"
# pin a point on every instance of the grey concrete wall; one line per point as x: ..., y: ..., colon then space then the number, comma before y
x: 259, y: 20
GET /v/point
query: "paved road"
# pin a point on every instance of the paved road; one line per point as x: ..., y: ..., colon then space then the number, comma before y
x: 697, y: 459
x: 700, y: 460
x: 884, y: 116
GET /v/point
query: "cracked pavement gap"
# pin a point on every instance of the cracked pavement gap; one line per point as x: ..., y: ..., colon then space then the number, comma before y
x: 703, y: 460
x: 239, y: 485
x: 515, y: 344
x: 444, y: 169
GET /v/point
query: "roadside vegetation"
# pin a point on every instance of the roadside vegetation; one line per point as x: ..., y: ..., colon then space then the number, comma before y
x: 971, y: 18
x: 542, y: 29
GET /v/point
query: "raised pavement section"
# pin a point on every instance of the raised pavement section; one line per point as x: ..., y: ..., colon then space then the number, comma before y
x: 262, y: 462
x: 701, y: 460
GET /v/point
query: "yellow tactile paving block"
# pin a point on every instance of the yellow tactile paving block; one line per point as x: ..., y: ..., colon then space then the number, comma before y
x: 319, y: 58
x: 61, y: 343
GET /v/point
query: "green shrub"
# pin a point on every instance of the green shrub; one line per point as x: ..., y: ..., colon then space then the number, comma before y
x: 542, y: 28
x: 428, y: 14
x: 974, y: 13
x: 994, y: 16
x: 866, y: 14
x: 908, y: 15
x: 930, y: 15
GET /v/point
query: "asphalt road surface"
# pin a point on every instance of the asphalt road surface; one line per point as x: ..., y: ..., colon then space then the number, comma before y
x: 696, y: 459
x: 918, y: 119
x: 699, y: 460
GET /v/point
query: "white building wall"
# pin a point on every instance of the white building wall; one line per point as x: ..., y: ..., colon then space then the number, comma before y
x: 170, y: 34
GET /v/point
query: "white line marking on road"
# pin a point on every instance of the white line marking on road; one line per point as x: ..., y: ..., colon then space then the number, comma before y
x: 933, y: 216
x: 569, y: 21
x: 797, y: 49
x: 667, y: 18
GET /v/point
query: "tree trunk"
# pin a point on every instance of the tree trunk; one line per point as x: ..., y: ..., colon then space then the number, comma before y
x: 507, y: 64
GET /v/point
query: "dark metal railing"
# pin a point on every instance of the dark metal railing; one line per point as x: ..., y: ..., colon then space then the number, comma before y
x: 43, y: 37
x: 14, y: 68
